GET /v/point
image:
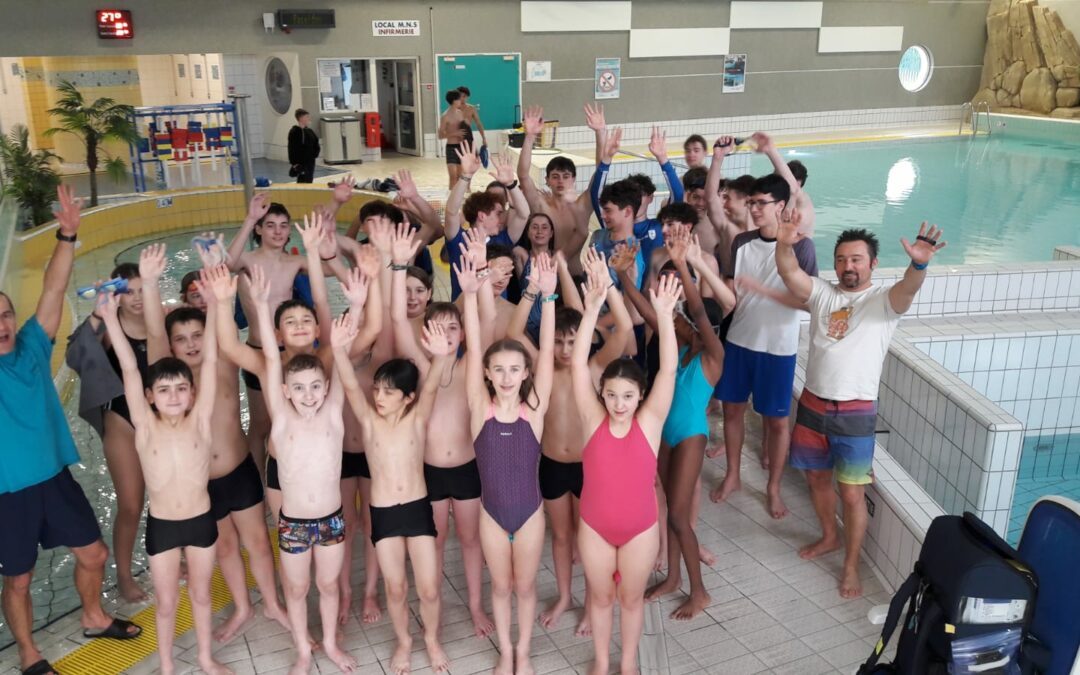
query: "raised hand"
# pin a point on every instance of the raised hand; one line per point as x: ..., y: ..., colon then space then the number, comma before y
x: 665, y: 295
x: 381, y: 234
x: 205, y: 284
x: 594, y: 116
x: 678, y: 242
x: 465, y: 271
x: 343, y: 191
x: 108, y: 305
x: 547, y: 277
x: 611, y: 145
x: 594, y: 290
x: 311, y: 232
x: 763, y: 140
x: 368, y: 261
x: 342, y: 333
x: 259, y: 205
x: 220, y: 283
x: 259, y: 285
x: 624, y: 257
x: 355, y: 288
x: 790, y: 231
x: 67, y: 215
x: 406, y: 185
x: 693, y: 252
x: 210, y: 247
x: 926, y: 244
x: 595, y: 263
x: 433, y: 339
x: 475, y: 246
x: 658, y: 145
x: 152, y: 262
x: 724, y: 146
x: 403, y: 245
x: 504, y: 170
x: 470, y: 160
x: 533, y: 120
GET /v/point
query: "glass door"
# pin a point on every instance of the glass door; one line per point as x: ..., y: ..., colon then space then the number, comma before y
x: 407, y: 109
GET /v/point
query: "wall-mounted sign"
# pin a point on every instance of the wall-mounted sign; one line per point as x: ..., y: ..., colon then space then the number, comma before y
x: 734, y: 74
x: 288, y: 19
x: 538, y: 71
x: 608, y: 73
x: 395, y: 28
x: 115, y: 24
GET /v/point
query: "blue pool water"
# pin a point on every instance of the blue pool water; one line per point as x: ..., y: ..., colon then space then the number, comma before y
x: 1049, y: 465
x: 998, y: 198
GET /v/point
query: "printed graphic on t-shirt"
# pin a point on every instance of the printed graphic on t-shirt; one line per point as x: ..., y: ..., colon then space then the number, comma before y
x: 838, y: 323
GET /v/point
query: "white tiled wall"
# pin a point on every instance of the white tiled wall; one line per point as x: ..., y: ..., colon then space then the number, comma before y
x: 241, y: 73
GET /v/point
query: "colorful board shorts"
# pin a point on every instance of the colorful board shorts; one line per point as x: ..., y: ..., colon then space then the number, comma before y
x: 836, y: 435
x: 297, y: 535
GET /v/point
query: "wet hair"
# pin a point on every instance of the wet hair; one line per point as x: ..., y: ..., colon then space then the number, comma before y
x: 302, y: 362
x: 679, y: 212
x: 168, y: 368
x: 567, y: 320
x: 623, y: 194
x: 442, y: 310
x: 695, y: 178
x: 276, y: 209
x: 378, y: 207
x: 125, y: 271
x: 414, y: 272
x: 858, y: 234
x: 772, y: 185
x: 289, y: 304
x: 496, y: 251
x: 648, y: 188
x: 524, y: 241
x: 477, y: 203
x: 624, y: 368
x: 452, y: 96
x: 185, y: 283
x: 300, y: 112
x: 400, y: 374
x: 559, y: 163
x: 464, y: 90
x: 798, y: 169
x: 183, y: 315
x: 669, y: 268
x: 744, y: 184
x: 527, y: 387
x: 695, y: 138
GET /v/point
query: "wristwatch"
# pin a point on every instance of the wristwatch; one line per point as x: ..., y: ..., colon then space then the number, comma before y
x: 70, y: 238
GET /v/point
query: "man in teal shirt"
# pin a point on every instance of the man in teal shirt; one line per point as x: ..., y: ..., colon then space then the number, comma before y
x: 40, y: 501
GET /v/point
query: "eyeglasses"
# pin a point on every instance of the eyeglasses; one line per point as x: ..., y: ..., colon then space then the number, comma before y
x: 755, y: 203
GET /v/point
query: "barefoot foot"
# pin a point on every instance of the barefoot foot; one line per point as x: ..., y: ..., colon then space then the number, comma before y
x: 550, y: 616
x: 234, y: 624
x: 714, y: 451
x: 505, y: 666
x: 524, y: 664
x: 775, y: 505
x: 706, y: 556
x: 693, y: 606
x: 302, y: 665
x: 212, y: 667
x: 343, y: 660
x: 668, y: 585
x: 850, y: 584
x: 820, y: 548
x: 440, y: 662
x: 371, y: 611
x: 131, y: 591
x: 401, y: 660
x: 483, y: 626
x: 584, y: 627
x: 730, y: 484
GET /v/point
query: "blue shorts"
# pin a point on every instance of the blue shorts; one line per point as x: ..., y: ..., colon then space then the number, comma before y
x: 766, y: 377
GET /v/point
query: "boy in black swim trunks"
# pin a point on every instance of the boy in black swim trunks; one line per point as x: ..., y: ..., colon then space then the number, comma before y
x: 394, y: 426
x: 173, y: 439
x: 452, y: 128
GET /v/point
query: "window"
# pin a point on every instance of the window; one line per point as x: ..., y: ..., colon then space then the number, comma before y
x: 343, y: 84
x: 916, y: 68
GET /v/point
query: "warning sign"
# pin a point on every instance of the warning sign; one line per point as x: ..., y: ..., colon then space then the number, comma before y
x: 608, y: 73
x: 395, y: 28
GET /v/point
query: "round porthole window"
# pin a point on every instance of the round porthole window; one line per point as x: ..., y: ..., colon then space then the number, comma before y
x: 916, y: 67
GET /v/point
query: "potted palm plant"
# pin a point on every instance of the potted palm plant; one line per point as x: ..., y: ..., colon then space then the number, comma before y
x: 94, y: 123
x: 29, y: 177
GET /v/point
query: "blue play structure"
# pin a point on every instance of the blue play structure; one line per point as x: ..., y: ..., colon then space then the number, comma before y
x: 185, y: 146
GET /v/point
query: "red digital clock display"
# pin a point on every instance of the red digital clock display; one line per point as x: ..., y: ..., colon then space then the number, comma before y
x: 115, y: 24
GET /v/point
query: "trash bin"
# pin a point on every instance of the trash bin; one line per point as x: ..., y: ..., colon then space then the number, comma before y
x: 341, y: 139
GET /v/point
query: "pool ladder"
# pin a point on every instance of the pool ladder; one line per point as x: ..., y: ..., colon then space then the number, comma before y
x: 974, y: 111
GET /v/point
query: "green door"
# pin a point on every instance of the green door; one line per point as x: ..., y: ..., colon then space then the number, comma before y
x: 493, y: 79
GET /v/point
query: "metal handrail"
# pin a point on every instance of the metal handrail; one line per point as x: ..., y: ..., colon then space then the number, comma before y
x: 966, y: 105
x: 979, y: 109
x: 974, y: 110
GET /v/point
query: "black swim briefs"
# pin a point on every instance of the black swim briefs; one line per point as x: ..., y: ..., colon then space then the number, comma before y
x: 354, y: 464
x: 455, y: 482
x: 414, y: 519
x: 558, y: 478
x: 165, y: 535
x: 272, y: 481
x: 238, y: 490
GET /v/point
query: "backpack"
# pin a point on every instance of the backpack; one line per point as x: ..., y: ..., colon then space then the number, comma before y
x: 969, y: 603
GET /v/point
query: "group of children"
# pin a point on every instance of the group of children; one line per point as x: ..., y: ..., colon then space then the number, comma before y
x: 417, y: 409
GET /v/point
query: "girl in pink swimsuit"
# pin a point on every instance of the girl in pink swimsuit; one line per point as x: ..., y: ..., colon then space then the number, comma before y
x: 508, y: 397
x: 619, y: 536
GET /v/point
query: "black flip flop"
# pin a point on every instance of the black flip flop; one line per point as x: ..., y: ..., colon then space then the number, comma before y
x: 117, y: 630
x: 40, y: 668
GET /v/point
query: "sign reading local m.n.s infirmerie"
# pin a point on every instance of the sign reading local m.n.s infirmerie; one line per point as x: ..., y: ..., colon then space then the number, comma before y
x: 395, y: 28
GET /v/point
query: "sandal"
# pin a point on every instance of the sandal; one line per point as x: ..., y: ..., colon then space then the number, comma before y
x: 42, y: 667
x: 119, y: 629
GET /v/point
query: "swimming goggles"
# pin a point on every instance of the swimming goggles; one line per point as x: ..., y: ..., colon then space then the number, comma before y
x: 115, y: 286
x: 212, y: 248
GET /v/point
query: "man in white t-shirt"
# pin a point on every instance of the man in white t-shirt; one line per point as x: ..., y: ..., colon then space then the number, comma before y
x: 761, y: 343
x: 851, y: 324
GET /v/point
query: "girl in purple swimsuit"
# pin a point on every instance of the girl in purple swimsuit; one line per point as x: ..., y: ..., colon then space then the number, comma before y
x: 508, y: 396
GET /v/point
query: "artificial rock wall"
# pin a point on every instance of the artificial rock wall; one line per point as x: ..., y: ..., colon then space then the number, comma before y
x: 1032, y: 61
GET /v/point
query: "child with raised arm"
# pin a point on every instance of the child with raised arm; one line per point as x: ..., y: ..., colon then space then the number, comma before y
x: 172, y: 423
x: 508, y: 398
x: 619, y: 534
x: 394, y: 426
x: 306, y: 432
x: 450, y: 469
x: 236, y: 490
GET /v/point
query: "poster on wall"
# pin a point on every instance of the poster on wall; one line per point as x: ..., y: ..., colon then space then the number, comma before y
x: 734, y: 73
x: 538, y: 71
x: 608, y: 74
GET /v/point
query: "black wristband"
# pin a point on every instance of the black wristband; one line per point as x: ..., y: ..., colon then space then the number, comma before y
x: 69, y: 238
x: 328, y: 259
x: 397, y: 267
x: 511, y: 186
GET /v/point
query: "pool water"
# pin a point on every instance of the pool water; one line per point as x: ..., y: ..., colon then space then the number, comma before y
x: 1049, y: 465
x: 998, y: 198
